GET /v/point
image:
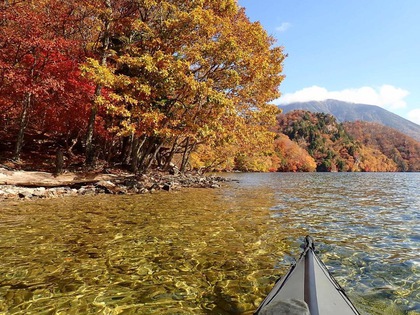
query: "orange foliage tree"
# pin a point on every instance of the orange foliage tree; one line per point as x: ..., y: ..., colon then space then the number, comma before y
x: 182, y: 74
x: 292, y: 157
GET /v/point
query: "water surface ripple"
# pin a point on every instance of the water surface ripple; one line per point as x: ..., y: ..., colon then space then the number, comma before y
x: 212, y: 251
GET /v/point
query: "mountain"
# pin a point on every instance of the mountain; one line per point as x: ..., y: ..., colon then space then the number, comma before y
x: 344, y: 111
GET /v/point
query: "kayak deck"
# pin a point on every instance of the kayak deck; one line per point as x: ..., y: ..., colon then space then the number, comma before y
x: 308, y: 284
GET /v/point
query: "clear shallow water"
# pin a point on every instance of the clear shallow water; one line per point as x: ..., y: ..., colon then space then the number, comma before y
x: 367, y: 226
x: 212, y: 251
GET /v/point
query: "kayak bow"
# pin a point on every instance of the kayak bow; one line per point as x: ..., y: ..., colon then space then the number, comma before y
x: 307, y: 288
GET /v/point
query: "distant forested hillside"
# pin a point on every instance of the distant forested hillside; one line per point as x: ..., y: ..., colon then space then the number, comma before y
x: 403, y: 150
x: 349, y: 147
x: 344, y: 111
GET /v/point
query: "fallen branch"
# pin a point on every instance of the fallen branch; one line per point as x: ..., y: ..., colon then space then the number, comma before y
x: 44, y: 179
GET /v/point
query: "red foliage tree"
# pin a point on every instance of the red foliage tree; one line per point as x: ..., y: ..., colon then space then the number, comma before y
x: 40, y: 83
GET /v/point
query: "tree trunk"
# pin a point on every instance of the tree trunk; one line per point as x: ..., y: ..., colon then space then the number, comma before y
x: 127, y: 149
x: 135, y: 151
x: 153, y: 144
x: 171, y: 155
x: 59, y: 162
x: 152, y: 156
x: 185, y: 156
x: 135, y: 147
x: 22, y: 127
x: 90, y: 152
x: 148, y: 147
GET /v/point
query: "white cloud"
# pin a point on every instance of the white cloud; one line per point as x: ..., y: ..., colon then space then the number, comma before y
x: 414, y: 115
x: 283, y: 27
x: 386, y: 96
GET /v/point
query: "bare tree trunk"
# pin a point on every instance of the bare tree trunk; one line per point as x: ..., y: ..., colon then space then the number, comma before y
x: 134, y: 154
x: 126, y: 149
x: 171, y: 154
x: 90, y: 152
x: 22, y: 127
x: 144, y: 154
x: 152, y: 156
x: 135, y: 151
x: 148, y: 156
x: 69, y: 147
x: 185, y: 156
x: 59, y: 162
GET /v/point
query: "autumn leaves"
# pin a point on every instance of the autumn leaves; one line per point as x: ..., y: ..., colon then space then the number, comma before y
x: 131, y: 79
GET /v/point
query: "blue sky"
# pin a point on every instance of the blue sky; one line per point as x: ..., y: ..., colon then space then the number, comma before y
x: 361, y: 51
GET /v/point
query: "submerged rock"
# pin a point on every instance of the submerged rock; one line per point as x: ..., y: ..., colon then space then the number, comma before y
x: 167, y: 186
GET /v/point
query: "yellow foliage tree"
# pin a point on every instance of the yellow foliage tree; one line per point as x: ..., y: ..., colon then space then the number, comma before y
x: 180, y: 74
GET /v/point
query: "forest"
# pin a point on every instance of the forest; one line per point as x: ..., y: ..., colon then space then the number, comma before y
x: 349, y: 147
x: 142, y: 85
x: 135, y: 84
x: 404, y: 151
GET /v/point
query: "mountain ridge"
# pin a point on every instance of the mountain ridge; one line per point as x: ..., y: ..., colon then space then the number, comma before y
x: 344, y: 111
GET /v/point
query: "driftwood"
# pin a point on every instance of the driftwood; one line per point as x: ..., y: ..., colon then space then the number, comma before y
x: 44, y: 179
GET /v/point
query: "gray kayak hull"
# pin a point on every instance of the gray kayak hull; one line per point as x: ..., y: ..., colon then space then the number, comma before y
x: 308, y: 282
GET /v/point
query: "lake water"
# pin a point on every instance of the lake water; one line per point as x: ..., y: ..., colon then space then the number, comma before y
x: 205, y: 251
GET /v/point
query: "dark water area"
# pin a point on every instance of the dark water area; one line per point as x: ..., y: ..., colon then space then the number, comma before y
x: 212, y: 251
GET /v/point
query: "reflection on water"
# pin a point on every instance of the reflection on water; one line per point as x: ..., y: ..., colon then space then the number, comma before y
x: 212, y: 251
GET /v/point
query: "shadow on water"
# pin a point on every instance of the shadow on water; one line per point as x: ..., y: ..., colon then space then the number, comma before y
x: 210, y: 251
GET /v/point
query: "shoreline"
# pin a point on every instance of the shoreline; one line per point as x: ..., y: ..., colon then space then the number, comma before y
x: 26, y: 185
